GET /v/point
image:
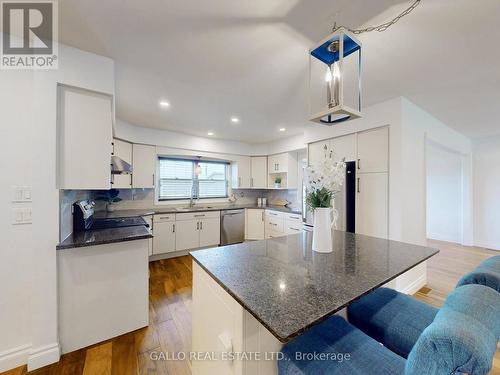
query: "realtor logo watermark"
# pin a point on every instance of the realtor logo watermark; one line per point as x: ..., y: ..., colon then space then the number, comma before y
x: 29, y: 35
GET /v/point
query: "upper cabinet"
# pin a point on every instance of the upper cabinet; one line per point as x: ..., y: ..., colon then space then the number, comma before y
x: 336, y: 148
x: 258, y: 179
x: 373, y: 155
x: 85, y: 123
x: 143, y: 166
x: 283, y: 167
x: 124, y: 151
x: 241, y: 173
x: 318, y: 152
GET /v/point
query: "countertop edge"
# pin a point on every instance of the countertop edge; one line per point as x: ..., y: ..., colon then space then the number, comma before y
x: 290, y: 337
x: 104, y: 242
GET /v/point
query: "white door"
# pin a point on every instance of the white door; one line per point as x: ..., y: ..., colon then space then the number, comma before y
x: 373, y: 151
x: 164, y: 237
x: 318, y: 151
x: 254, y: 223
x: 259, y: 172
x: 372, y: 204
x: 85, y: 121
x: 144, y: 166
x: 187, y: 234
x: 241, y: 173
x: 210, y: 232
x: 124, y: 151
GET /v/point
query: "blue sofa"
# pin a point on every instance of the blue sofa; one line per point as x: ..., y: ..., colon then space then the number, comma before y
x: 391, y: 333
x: 487, y: 273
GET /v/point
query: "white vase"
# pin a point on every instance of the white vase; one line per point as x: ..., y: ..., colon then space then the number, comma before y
x: 277, y: 186
x: 324, y: 221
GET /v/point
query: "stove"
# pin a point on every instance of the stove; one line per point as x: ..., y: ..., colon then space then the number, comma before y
x: 83, y: 218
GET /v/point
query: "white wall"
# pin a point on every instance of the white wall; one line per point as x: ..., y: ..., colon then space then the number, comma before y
x: 444, y: 193
x: 487, y: 192
x: 29, y: 284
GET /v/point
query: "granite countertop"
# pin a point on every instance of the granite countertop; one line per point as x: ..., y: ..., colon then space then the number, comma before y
x: 171, y: 210
x: 104, y: 236
x: 289, y: 288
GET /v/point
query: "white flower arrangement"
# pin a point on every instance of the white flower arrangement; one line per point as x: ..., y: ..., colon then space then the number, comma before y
x: 324, y: 181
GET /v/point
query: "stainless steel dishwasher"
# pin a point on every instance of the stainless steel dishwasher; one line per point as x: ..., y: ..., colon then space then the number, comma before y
x: 232, y: 226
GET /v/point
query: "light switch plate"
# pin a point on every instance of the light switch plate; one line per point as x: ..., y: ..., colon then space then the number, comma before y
x: 21, y: 216
x: 21, y: 194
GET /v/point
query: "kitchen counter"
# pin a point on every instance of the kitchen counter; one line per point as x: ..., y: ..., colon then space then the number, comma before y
x: 104, y: 236
x: 288, y: 288
x: 171, y: 210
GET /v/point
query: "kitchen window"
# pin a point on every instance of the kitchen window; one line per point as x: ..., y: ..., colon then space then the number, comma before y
x: 183, y: 178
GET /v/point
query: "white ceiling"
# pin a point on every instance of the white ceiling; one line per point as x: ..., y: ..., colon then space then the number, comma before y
x: 248, y: 58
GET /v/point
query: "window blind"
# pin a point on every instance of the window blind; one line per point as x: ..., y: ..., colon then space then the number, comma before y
x: 178, y: 180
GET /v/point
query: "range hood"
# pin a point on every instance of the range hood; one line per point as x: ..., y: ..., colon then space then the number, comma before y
x: 120, y: 166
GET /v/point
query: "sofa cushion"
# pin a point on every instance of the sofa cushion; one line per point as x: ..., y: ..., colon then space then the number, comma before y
x: 349, y: 351
x: 463, y: 336
x: 392, y: 318
x: 487, y: 274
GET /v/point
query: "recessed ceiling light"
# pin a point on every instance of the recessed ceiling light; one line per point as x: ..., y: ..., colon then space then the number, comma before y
x: 164, y: 104
x: 282, y: 129
x: 235, y: 120
x: 210, y: 133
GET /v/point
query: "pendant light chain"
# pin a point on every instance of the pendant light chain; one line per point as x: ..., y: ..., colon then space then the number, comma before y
x: 382, y: 27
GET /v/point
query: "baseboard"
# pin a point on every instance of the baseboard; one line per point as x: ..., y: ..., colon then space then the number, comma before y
x: 487, y: 245
x: 43, y: 356
x: 444, y: 238
x: 15, y: 357
x: 415, y: 286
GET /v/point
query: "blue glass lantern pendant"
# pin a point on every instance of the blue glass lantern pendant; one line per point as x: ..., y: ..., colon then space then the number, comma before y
x: 335, y: 78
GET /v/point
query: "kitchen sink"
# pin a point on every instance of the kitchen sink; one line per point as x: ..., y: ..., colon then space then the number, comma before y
x: 195, y: 208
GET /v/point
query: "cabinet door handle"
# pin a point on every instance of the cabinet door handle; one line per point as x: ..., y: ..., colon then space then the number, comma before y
x: 198, y: 225
x: 239, y: 181
x: 359, y: 189
x: 251, y: 181
x: 201, y: 225
x: 173, y: 228
x: 202, y: 215
x: 359, y: 163
x: 295, y: 229
x: 262, y: 215
x: 153, y: 179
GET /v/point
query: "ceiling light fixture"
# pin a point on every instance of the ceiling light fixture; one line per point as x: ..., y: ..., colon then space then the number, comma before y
x: 341, y: 53
x: 235, y: 120
x: 210, y: 133
x: 164, y: 104
x: 282, y: 129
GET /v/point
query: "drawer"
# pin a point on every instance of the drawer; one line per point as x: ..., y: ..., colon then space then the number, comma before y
x: 272, y: 213
x: 274, y: 234
x: 293, y: 217
x: 160, y: 218
x: 291, y: 227
x: 197, y: 215
x: 274, y: 223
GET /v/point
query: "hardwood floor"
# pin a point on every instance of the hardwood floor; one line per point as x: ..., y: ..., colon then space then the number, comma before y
x: 170, y: 319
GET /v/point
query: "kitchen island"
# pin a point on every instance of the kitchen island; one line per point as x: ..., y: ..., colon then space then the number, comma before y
x: 256, y: 296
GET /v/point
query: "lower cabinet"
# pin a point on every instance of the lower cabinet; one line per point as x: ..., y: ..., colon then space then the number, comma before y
x: 254, y: 224
x: 164, y: 234
x: 372, y: 204
x: 279, y: 224
x: 194, y: 230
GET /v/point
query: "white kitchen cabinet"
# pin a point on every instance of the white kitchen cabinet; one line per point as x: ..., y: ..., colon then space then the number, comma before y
x: 144, y: 166
x: 241, y: 173
x: 372, y: 204
x: 210, y: 232
x: 344, y: 148
x: 124, y: 151
x: 84, y: 130
x: 254, y: 224
x: 197, y: 229
x: 164, y: 240
x: 278, y: 224
x: 318, y: 152
x: 258, y: 179
x: 187, y: 236
x: 373, y: 151
x: 284, y: 166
